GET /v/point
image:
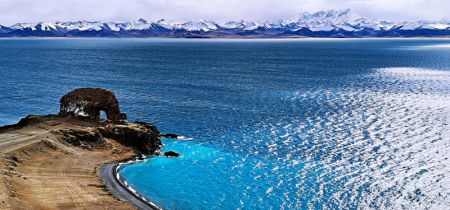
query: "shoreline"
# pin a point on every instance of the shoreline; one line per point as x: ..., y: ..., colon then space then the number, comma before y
x: 43, y: 168
x: 112, y: 180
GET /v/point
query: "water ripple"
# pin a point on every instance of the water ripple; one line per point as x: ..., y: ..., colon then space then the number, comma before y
x: 368, y: 148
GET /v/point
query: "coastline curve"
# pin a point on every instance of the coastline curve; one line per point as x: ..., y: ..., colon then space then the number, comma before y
x: 122, y: 190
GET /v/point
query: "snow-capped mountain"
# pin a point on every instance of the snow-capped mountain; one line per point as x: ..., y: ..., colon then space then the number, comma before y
x: 22, y: 26
x: 332, y: 20
x: 81, y: 26
x: 433, y: 25
x: 332, y: 23
x: 202, y: 25
x: 242, y: 25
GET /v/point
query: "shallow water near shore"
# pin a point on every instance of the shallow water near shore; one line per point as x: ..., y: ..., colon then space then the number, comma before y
x: 292, y: 124
x: 184, y: 178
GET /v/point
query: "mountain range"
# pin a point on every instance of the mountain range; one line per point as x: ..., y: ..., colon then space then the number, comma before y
x: 331, y: 23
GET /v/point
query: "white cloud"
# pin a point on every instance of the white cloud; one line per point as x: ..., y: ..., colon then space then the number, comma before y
x: 219, y: 10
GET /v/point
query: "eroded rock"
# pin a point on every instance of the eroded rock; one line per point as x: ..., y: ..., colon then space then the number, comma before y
x: 85, y: 138
x: 86, y: 103
x: 89, y: 102
x: 141, y: 136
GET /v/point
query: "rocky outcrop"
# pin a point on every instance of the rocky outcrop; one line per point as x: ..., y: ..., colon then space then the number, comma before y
x: 89, y: 102
x: 86, y: 103
x: 88, y: 138
x: 141, y: 136
x: 171, y: 154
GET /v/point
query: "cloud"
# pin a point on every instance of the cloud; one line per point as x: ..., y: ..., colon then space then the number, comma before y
x: 219, y: 10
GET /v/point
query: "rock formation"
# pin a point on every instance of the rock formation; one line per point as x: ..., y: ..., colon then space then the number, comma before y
x: 138, y: 135
x: 85, y: 105
x: 88, y: 138
x: 171, y: 154
x: 89, y: 102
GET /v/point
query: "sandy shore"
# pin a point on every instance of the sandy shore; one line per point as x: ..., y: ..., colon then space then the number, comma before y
x: 41, y: 171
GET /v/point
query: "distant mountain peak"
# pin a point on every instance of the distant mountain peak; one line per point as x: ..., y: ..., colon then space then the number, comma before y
x: 21, y: 26
x: 46, y: 26
x: 343, y: 15
x: 330, y: 23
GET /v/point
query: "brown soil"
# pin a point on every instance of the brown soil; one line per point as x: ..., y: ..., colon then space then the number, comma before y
x: 40, y: 170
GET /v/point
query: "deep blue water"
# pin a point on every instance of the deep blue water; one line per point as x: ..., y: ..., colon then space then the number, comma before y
x: 293, y: 124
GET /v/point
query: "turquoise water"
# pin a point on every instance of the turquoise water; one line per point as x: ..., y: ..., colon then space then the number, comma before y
x: 293, y: 124
x: 230, y: 187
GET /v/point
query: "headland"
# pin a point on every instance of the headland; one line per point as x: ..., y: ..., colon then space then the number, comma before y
x: 58, y: 161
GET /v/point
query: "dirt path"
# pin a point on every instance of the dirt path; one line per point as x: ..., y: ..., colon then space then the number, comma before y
x: 20, y: 138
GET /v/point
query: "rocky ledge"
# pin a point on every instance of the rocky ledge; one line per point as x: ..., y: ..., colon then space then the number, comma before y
x: 141, y: 137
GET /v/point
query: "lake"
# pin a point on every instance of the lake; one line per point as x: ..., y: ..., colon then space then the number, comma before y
x: 293, y: 124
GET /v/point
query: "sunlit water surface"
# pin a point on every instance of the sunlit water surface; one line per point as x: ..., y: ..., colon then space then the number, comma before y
x: 340, y: 124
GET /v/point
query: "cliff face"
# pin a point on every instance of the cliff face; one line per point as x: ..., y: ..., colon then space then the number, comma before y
x: 144, y: 137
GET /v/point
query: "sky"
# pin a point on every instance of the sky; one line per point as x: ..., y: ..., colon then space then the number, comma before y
x: 14, y: 11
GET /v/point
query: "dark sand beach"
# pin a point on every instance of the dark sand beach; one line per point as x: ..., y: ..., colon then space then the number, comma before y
x: 118, y: 188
